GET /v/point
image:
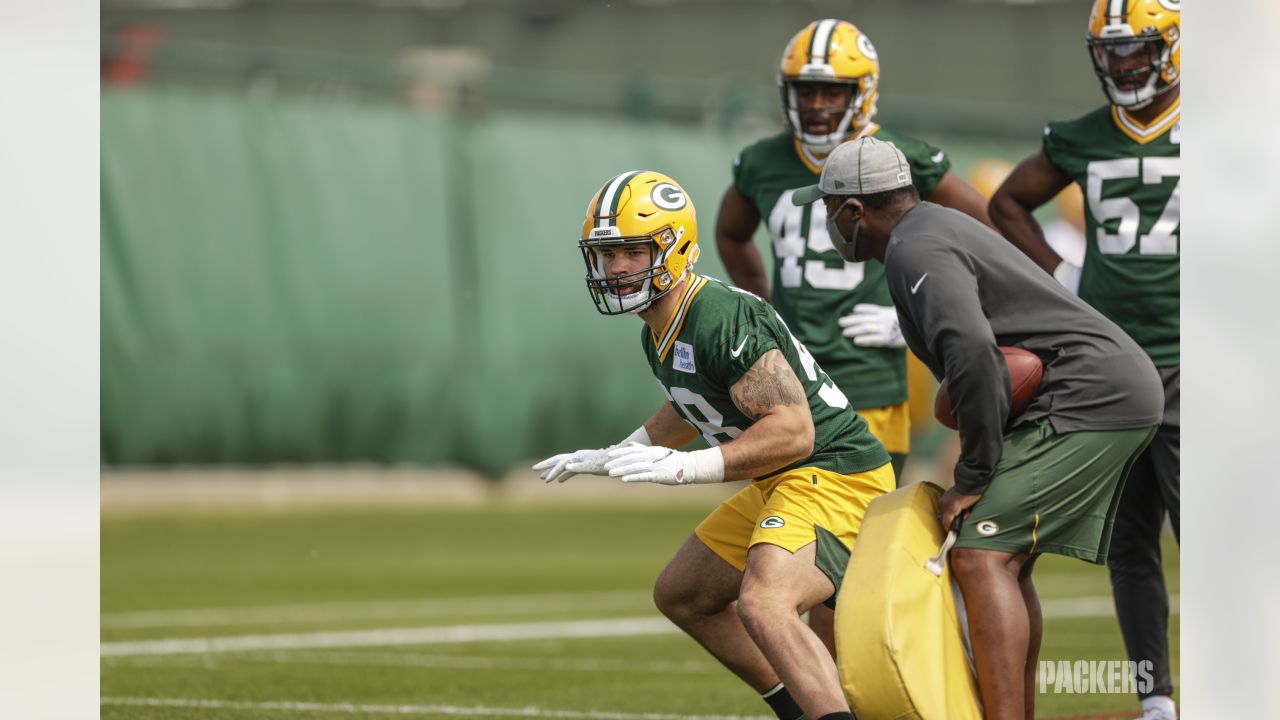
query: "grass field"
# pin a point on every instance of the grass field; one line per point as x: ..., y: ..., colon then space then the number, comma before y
x: 449, y: 612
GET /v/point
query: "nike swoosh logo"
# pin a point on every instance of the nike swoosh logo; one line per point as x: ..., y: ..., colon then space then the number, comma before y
x: 937, y: 157
x: 916, y: 287
x: 736, y: 353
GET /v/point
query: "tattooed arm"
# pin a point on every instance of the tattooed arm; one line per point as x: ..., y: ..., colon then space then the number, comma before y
x: 782, y: 432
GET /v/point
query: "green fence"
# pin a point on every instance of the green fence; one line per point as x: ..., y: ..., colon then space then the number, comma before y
x: 318, y: 282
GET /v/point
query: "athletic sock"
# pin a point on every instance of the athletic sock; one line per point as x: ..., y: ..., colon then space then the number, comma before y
x: 1159, y: 701
x: 784, y: 706
x: 838, y: 716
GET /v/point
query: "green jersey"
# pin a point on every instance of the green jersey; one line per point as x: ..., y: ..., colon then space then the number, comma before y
x: 812, y: 285
x: 715, y: 335
x: 1131, y: 176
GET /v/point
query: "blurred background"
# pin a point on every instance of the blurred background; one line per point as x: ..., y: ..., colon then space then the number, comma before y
x: 340, y: 231
x: 343, y: 309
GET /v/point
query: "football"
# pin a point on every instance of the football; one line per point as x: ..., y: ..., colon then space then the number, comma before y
x: 1025, y: 373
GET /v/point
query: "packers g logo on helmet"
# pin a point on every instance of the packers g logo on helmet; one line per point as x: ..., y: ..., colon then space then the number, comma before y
x: 643, y: 209
x: 830, y: 51
x: 864, y: 44
x: 1135, y: 46
x: 668, y: 196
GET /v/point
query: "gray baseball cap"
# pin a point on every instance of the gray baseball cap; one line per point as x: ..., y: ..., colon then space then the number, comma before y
x: 858, y: 167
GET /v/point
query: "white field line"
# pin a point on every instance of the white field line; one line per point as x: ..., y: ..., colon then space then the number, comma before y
x: 1088, y: 607
x: 418, y: 660
x: 1098, y: 606
x: 1054, y: 608
x: 447, y: 710
x: 619, y: 627
x: 377, y: 610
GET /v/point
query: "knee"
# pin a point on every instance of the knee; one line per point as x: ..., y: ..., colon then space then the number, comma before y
x: 668, y: 597
x: 751, y: 610
x: 1133, y: 555
x: 971, y: 563
x: 756, y: 606
x: 965, y: 562
x: 1133, y: 566
x: 677, y: 600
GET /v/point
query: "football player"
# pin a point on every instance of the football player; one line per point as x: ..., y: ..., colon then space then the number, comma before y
x: 733, y: 373
x: 1125, y: 156
x: 829, y: 80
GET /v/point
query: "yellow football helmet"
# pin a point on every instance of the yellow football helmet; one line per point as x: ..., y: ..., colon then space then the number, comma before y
x: 1135, y: 47
x: 646, y: 209
x: 830, y: 51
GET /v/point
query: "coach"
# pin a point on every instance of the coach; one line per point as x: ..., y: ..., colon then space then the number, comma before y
x: 1045, y: 481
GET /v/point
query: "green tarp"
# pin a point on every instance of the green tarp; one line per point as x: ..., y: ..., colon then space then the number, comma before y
x: 317, y: 282
x: 307, y: 281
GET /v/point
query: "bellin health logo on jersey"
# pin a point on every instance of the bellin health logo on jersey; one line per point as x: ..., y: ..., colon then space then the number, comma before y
x: 683, y: 358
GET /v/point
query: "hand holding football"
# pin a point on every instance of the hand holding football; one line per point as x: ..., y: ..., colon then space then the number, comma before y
x: 1025, y: 374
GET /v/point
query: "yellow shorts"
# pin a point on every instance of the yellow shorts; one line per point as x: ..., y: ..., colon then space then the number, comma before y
x: 891, y: 425
x: 921, y: 387
x: 793, y: 509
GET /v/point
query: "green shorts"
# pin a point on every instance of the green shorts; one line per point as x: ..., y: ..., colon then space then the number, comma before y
x: 1055, y: 493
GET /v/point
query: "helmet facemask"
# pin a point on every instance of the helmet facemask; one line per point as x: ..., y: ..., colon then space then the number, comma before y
x: 654, y: 279
x: 1134, y: 70
x: 829, y: 53
x: 852, y: 117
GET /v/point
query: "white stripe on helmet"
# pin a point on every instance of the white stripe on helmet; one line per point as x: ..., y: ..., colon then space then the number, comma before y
x: 821, y: 38
x: 606, y: 199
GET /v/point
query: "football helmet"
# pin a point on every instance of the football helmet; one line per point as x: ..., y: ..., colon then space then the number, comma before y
x: 1135, y: 48
x: 830, y: 51
x: 646, y: 209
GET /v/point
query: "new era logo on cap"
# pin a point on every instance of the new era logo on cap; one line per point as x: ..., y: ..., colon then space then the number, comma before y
x: 859, y: 167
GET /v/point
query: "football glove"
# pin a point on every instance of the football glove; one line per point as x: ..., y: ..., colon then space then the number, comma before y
x: 656, y: 464
x: 565, y: 465
x: 585, y: 462
x: 873, y: 326
x: 1069, y: 276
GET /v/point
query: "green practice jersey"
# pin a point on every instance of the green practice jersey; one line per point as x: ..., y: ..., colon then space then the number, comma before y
x: 812, y: 285
x: 715, y: 335
x: 1130, y: 175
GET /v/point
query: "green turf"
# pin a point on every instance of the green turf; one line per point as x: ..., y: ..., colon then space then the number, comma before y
x: 378, y: 565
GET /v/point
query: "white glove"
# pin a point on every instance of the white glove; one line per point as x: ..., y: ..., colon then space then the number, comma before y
x: 586, y: 462
x: 873, y: 326
x: 1069, y: 276
x: 565, y: 465
x: 642, y: 463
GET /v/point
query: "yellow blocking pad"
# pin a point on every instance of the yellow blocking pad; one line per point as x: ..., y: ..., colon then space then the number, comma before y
x: 899, y: 645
